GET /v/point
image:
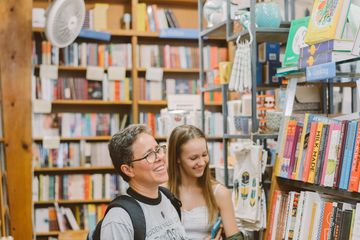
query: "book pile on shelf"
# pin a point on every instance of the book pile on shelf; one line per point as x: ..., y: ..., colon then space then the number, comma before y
x: 83, y: 54
x: 307, y: 215
x: 81, y: 187
x: 150, y: 18
x: 77, y: 124
x: 268, y: 62
x: 99, y: 17
x: 320, y: 150
x: 167, y: 56
x: 72, y: 154
x: 66, y: 218
x: 82, y: 89
x: 322, y: 38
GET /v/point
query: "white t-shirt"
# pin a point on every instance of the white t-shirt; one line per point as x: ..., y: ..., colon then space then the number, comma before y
x: 162, y: 220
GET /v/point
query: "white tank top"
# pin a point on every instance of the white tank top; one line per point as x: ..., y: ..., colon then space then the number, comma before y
x: 196, y: 222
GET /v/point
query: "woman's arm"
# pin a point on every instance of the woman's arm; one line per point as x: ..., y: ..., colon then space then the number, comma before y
x: 227, y: 213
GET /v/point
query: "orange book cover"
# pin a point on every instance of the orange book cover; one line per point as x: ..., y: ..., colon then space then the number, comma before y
x: 214, y: 58
x: 272, y: 213
x: 309, y: 153
x: 87, y: 188
x: 325, y: 226
x: 117, y: 90
x: 101, y: 56
x: 355, y: 168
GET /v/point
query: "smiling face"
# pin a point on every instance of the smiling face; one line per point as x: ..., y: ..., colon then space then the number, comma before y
x: 143, y: 173
x: 193, y: 158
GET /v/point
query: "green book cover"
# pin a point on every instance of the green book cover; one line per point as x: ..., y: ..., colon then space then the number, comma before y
x: 295, y: 41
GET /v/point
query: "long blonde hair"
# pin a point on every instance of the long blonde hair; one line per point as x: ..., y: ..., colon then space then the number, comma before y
x: 179, y: 136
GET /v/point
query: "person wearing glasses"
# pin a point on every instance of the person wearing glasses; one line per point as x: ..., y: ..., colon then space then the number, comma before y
x: 141, y: 161
x: 203, y: 199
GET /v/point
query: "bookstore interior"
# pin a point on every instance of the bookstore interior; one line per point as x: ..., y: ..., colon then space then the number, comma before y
x: 274, y: 85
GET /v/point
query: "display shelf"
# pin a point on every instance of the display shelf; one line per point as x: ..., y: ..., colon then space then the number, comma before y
x: 175, y: 70
x: 91, y: 102
x: 75, y: 69
x: 262, y: 136
x: 316, y: 188
x: 216, y: 32
x: 211, y: 89
x: 48, y: 170
x: 75, y: 139
x: 236, y: 136
x: 263, y: 35
x: 73, y: 202
x: 47, y: 234
x: 161, y: 103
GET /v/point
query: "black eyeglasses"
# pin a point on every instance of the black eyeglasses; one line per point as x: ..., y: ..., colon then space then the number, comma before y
x: 152, y: 156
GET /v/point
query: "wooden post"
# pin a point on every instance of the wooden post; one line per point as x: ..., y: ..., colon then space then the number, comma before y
x: 15, y: 63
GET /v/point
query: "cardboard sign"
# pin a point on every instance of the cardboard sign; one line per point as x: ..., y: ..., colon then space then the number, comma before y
x: 95, y: 73
x: 116, y: 73
x: 154, y: 74
x: 51, y: 142
x: 41, y: 106
x: 49, y: 71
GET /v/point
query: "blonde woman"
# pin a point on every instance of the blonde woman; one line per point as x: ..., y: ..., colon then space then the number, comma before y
x: 203, y: 199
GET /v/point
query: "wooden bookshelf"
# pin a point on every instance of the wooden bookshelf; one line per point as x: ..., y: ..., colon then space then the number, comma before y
x: 89, y: 169
x: 174, y: 70
x: 91, y: 102
x: 75, y: 139
x: 74, y: 69
x: 47, y: 234
x: 73, y: 202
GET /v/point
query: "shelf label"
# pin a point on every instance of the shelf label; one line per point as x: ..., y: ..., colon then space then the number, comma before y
x: 184, y: 102
x: 41, y: 106
x: 95, y: 73
x: 49, y: 71
x: 154, y: 74
x: 51, y: 142
x: 321, y: 72
x: 116, y: 73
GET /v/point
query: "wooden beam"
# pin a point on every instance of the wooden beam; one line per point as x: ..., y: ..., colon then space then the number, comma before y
x: 15, y: 65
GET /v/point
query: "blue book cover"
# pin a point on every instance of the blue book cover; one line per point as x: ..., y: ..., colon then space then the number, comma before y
x: 269, y: 51
x: 321, y: 72
x: 180, y: 33
x: 323, y: 57
x: 348, y: 155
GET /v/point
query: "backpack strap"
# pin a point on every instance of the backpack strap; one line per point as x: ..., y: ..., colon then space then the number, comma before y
x: 174, y: 201
x: 133, y: 208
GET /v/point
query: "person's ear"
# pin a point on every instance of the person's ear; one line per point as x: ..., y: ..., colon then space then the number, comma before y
x: 127, y: 170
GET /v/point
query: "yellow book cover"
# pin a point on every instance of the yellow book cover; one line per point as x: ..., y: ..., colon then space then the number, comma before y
x: 315, y: 153
x: 301, y: 148
x: 100, y: 16
x: 279, y: 159
x: 141, y: 17
x: 327, y: 21
x: 127, y: 89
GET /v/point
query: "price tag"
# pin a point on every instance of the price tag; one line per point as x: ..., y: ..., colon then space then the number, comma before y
x: 184, y: 102
x: 154, y: 74
x: 116, y: 73
x: 49, y: 71
x: 41, y: 106
x: 51, y: 142
x: 95, y: 73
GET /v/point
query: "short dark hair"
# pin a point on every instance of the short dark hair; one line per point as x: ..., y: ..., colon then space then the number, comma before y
x: 120, y: 146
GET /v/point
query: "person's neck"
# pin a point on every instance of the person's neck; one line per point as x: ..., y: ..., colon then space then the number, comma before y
x: 150, y: 192
x: 189, y: 182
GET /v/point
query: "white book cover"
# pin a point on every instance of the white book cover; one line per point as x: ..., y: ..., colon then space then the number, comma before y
x: 42, y: 220
x: 35, y: 187
x: 97, y: 186
x: 311, y: 204
x: 299, y: 216
x: 107, y: 186
x: 356, y: 227
x: 59, y: 217
x: 71, y: 219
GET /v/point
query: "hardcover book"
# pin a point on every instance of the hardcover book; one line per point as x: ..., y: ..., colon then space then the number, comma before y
x: 327, y: 20
x: 295, y: 41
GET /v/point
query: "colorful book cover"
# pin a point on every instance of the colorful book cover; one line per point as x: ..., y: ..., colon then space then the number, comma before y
x: 294, y: 150
x: 327, y: 46
x: 320, y: 162
x: 295, y: 41
x: 355, y: 169
x: 330, y: 160
x: 309, y: 152
x: 327, y: 20
x: 349, y: 151
x: 325, y: 226
x: 315, y: 153
x: 290, y: 136
x: 323, y: 57
x: 340, y: 153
